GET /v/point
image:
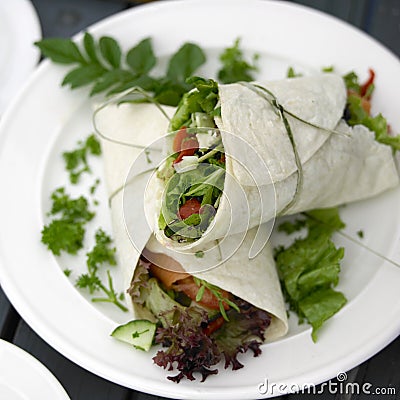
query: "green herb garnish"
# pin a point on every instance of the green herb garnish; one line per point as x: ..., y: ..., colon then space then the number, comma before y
x: 76, y: 160
x: 216, y: 291
x: 102, y: 253
x: 103, y: 66
x: 67, y: 232
x: 331, y: 68
x: 67, y: 272
x: 234, y: 67
x: 292, y: 74
x: 94, y: 187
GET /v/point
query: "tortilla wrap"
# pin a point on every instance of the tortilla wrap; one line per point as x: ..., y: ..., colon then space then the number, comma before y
x: 337, y: 168
x: 254, y: 281
x: 340, y: 164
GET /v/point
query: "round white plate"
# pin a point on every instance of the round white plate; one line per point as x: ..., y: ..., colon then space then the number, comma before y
x: 19, y: 28
x: 23, y: 377
x: 47, y: 119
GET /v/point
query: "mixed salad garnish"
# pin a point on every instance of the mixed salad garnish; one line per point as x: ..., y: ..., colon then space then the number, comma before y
x: 195, y: 171
x: 196, y: 323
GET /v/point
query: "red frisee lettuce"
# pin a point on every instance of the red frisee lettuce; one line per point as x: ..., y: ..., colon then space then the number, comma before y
x: 190, y: 350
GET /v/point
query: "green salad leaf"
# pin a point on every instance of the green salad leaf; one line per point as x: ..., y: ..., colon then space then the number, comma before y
x: 204, y: 99
x: 205, y: 181
x: 309, y: 268
x: 357, y: 114
x: 377, y: 124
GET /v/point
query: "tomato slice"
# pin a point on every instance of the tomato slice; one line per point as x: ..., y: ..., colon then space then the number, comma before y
x: 368, y: 83
x: 185, y: 143
x: 177, y: 143
x: 192, y: 206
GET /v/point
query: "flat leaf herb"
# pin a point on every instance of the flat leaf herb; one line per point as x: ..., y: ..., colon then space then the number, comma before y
x: 102, y: 65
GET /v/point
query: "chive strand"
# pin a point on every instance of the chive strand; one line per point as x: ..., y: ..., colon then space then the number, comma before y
x: 120, y: 99
x: 281, y: 112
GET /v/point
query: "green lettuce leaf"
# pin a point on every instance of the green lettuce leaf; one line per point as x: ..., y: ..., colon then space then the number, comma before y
x: 310, y: 267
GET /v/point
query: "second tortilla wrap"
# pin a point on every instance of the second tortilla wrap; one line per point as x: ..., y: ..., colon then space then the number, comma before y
x: 257, y: 283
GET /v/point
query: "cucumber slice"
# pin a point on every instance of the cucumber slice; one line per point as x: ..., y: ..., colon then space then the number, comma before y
x: 139, y: 333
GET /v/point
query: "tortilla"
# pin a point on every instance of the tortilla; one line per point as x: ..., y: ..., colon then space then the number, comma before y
x: 318, y: 99
x: 254, y: 281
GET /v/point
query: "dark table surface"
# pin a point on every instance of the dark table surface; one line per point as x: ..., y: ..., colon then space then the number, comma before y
x: 63, y: 18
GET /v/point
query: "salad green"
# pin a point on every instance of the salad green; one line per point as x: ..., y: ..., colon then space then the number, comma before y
x: 198, y: 324
x: 194, y: 175
x: 309, y: 268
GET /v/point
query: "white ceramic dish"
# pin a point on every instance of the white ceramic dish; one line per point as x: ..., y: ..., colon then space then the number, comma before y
x: 46, y: 120
x: 23, y: 377
x: 19, y: 28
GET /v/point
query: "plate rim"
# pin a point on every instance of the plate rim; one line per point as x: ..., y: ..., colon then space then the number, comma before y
x: 30, y: 362
x: 31, y: 31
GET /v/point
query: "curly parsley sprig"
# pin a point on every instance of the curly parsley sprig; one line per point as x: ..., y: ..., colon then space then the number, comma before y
x: 67, y: 232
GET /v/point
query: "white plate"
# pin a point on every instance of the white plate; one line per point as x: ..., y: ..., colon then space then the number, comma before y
x: 23, y: 377
x: 19, y: 28
x: 46, y: 120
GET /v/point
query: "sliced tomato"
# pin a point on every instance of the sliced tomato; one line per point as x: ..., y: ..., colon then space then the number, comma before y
x: 178, y: 139
x: 189, y: 287
x: 192, y: 206
x: 364, y: 88
x: 185, y: 143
